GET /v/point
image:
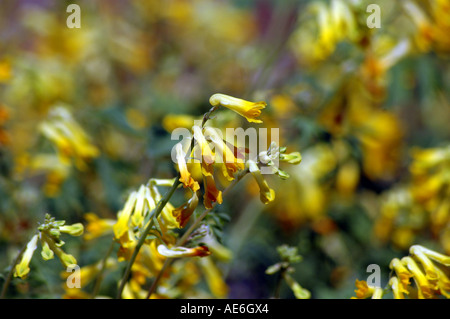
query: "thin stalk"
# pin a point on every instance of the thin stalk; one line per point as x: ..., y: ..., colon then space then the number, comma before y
x: 162, y: 203
x: 102, y: 270
x: 11, y: 272
x: 277, y: 291
x: 166, y: 265
x: 241, y: 229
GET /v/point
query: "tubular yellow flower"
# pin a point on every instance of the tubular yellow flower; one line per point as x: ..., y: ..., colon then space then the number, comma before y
x: 69, y: 137
x: 206, y: 153
x: 184, y: 212
x: 151, y: 258
x: 424, y: 286
x: 397, y: 288
x: 377, y: 293
x: 443, y: 283
x: 297, y: 289
x: 249, y: 110
x: 401, y: 271
x: 440, y: 258
x: 139, y: 209
x: 22, y: 268
x: 212, y: 194
x: 267, y: 194
x: 425, y: 36
x: 166, y: 220
x: 186, y: 177
x: 46, y: 252
x: 74, y: 230
x: 124, y: 216
x: 427, y: 264
x: 213, y: 278
x: 97, y: 227
x: 363, y: 290
x: 173, y: 121
x: 230, y: 164
x: 219, y: 251
x: 66, y: 259
x: 292, y: 158
x: 347, y: 177
x: 177, y: 252
x: 127, y: 244
x: 5, y: 71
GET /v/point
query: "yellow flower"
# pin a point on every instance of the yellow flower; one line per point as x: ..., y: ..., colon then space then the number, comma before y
x: 249, y: 110
x: 69, y: 137
x: 184, y: 212
x: 397, y: 288
x: 212, y: 194
x: 401, y: 271
x: 427, y: 264
x: 440, y: 258
x: 140, y: 207
x: 127, y: 244
x: 173, y: 121
x: 364, y: 291
x: 97, y: 227
x: 74, y: 229
x: 166, y: 220
x: 66, y: 259
x: 124, y: 215
x: 347, y: 177
x: 292, y: 158
x: 5, y: 71
x: 206, y: 153
x: 186, y: 177
x: 178, y: 252
x: 426, y: 159
x: 424, y: 37
x: 22, y: 268
x: 230, y: 164
x: 424, y: 286
x: 297, y: 289
x: 267, y: 194
x: 214, y: 278
x: 219, y: 251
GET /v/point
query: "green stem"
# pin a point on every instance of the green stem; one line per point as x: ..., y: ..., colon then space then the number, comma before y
x: 102, y: 270
x: 11, y: 272
x: 277, y: 291
x: 241, y: 229
x: 166, y: 265
x: 162, y: 203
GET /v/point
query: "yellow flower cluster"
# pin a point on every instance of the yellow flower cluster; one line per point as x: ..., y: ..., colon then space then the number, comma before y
x: 429, y: 270
x: 138, y: 214
x: 68, y: 137
x: 432, y: 22
x: 421, y: 202
x: 48, y: 235
x: 72, y: 145
x: 331, y: 24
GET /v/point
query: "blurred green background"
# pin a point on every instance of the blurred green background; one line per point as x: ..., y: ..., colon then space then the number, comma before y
x: 359, y: 103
